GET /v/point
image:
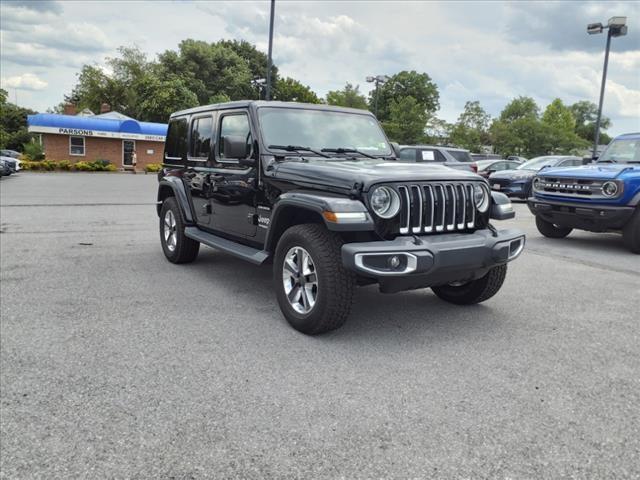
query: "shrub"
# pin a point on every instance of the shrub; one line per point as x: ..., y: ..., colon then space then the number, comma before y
x: 101, y: 163
x: 32, y: 151
x: 64, y: 165
x: 83, y: 166
x: 48, y: 165
x: 153, y: 167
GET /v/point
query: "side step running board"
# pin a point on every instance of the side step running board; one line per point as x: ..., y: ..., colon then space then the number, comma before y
x: 250, y: 254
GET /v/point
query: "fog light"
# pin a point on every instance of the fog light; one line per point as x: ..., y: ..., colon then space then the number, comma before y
x: 393, y: 262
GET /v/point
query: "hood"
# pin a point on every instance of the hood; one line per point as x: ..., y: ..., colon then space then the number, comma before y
x: 513, y: 175
x: 599, y: 171
x: 367, y: 172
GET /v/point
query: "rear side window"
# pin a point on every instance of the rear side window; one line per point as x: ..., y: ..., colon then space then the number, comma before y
x: 176, y: 142
x: 460, y: 155
x: 408, y: 154
x: 431, y: 156
x: 201, y: 135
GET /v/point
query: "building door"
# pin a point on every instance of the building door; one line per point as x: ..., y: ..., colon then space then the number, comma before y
x: 128, y: 146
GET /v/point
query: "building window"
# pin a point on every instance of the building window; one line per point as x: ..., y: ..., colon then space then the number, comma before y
x: 76, y: 146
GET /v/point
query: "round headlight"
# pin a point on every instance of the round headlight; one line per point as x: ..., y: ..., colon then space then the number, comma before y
x: 481, y: 197
x: 385, y: 202
x: 609, y: 189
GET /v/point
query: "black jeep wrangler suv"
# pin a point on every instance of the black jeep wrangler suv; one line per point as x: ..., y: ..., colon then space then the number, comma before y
x: 315, y: 191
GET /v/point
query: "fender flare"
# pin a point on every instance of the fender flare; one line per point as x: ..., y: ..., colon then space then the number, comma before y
x: 180, y: 193
x: 316, y: 204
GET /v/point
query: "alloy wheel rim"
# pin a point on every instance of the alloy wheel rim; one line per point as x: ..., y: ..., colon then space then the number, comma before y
x: 169, y: 230
x: 300, y: 280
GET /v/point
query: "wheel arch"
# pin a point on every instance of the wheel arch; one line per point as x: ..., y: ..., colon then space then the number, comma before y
x: 173, y: 187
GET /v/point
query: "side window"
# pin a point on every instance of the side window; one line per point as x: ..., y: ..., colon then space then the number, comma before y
x: 201, y: 136
x: 439, y: 156
x: 408, y: 154
x: 236, y: 125
x: 176, y: 141
x: 498, y: 166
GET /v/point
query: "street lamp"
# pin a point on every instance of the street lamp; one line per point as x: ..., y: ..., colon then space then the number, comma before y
x: 617, y: 27
x: 259, y: 84
x: 379, y: 80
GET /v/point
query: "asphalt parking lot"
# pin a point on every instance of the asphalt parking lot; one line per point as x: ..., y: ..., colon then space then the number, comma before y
x: 117, y: 364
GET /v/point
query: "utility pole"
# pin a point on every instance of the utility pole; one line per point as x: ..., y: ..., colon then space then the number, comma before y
x: 269, y: 60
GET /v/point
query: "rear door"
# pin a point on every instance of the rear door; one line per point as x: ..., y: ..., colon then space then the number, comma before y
x: 198, y: 172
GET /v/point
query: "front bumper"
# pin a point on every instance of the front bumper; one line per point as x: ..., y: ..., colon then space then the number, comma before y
x: 426, y: 261
x: 593, y: 218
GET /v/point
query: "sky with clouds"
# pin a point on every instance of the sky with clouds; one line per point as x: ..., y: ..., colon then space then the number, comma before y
x: 486, y: 51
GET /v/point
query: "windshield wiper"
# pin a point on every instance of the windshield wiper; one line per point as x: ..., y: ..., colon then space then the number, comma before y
x: 347, y: 150
x: 297, y: 148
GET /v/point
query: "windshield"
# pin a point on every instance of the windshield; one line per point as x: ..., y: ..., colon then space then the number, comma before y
x: 623, y: 151
x: 461, y: 155
x: 537, y: 163
x: 321, y: 129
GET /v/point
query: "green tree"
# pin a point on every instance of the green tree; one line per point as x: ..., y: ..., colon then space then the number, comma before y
x: 159, y: 98
x: 290, y: 90
x: 13, y: 124
x: 407, y: 120
x: 401, y: 85
x: 471, y: 131
x: 585, y: 114
x: 518, y: 130
x: 559, y: 127
x: 349, y: 96
x: 518, y: 108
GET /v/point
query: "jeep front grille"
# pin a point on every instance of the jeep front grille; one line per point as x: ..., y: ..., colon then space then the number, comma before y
x: 436, y: 207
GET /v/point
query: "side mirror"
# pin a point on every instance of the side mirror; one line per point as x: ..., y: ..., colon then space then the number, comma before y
x: 235, y: 147
x: 501, y: 207
x: 395, y: 146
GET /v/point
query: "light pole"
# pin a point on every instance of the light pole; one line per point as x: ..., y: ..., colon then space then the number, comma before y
x: 267, y: 95
x: 617, y: 27
x: 378, y: 79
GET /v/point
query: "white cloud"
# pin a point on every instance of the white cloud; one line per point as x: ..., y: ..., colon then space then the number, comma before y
x: 26, y: 81
x: 486, y: 51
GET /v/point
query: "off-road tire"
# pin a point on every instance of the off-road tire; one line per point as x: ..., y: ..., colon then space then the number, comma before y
x: 549, y: 230
x: 186, y: 249
x: 475, y: 291
x: 336, y: 284
x: 631, y: 232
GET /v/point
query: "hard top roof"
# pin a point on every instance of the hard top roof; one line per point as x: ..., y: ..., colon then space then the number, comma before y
x: 264, y: 103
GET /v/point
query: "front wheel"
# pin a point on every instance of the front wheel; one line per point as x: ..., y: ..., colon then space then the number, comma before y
x: 550, y: 230
x: 313, y: 288
x: 475, y: 291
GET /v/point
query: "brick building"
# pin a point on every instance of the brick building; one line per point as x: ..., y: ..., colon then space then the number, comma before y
x: 107, y: 136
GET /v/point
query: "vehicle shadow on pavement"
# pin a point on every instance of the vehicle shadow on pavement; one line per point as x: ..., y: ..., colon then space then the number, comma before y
x: 407, y: 315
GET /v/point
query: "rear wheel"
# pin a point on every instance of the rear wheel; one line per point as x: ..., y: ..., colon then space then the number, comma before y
x: 475, y: 291
x: 550, y: 230
x: 631, y: 233
x: 313, y: 288
x: 177, y: 247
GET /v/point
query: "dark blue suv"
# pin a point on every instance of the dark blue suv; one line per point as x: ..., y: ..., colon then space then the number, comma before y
x: 600, y: 197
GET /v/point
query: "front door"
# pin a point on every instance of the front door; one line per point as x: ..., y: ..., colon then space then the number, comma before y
x: 234, y: 185
x: 128, y: 146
